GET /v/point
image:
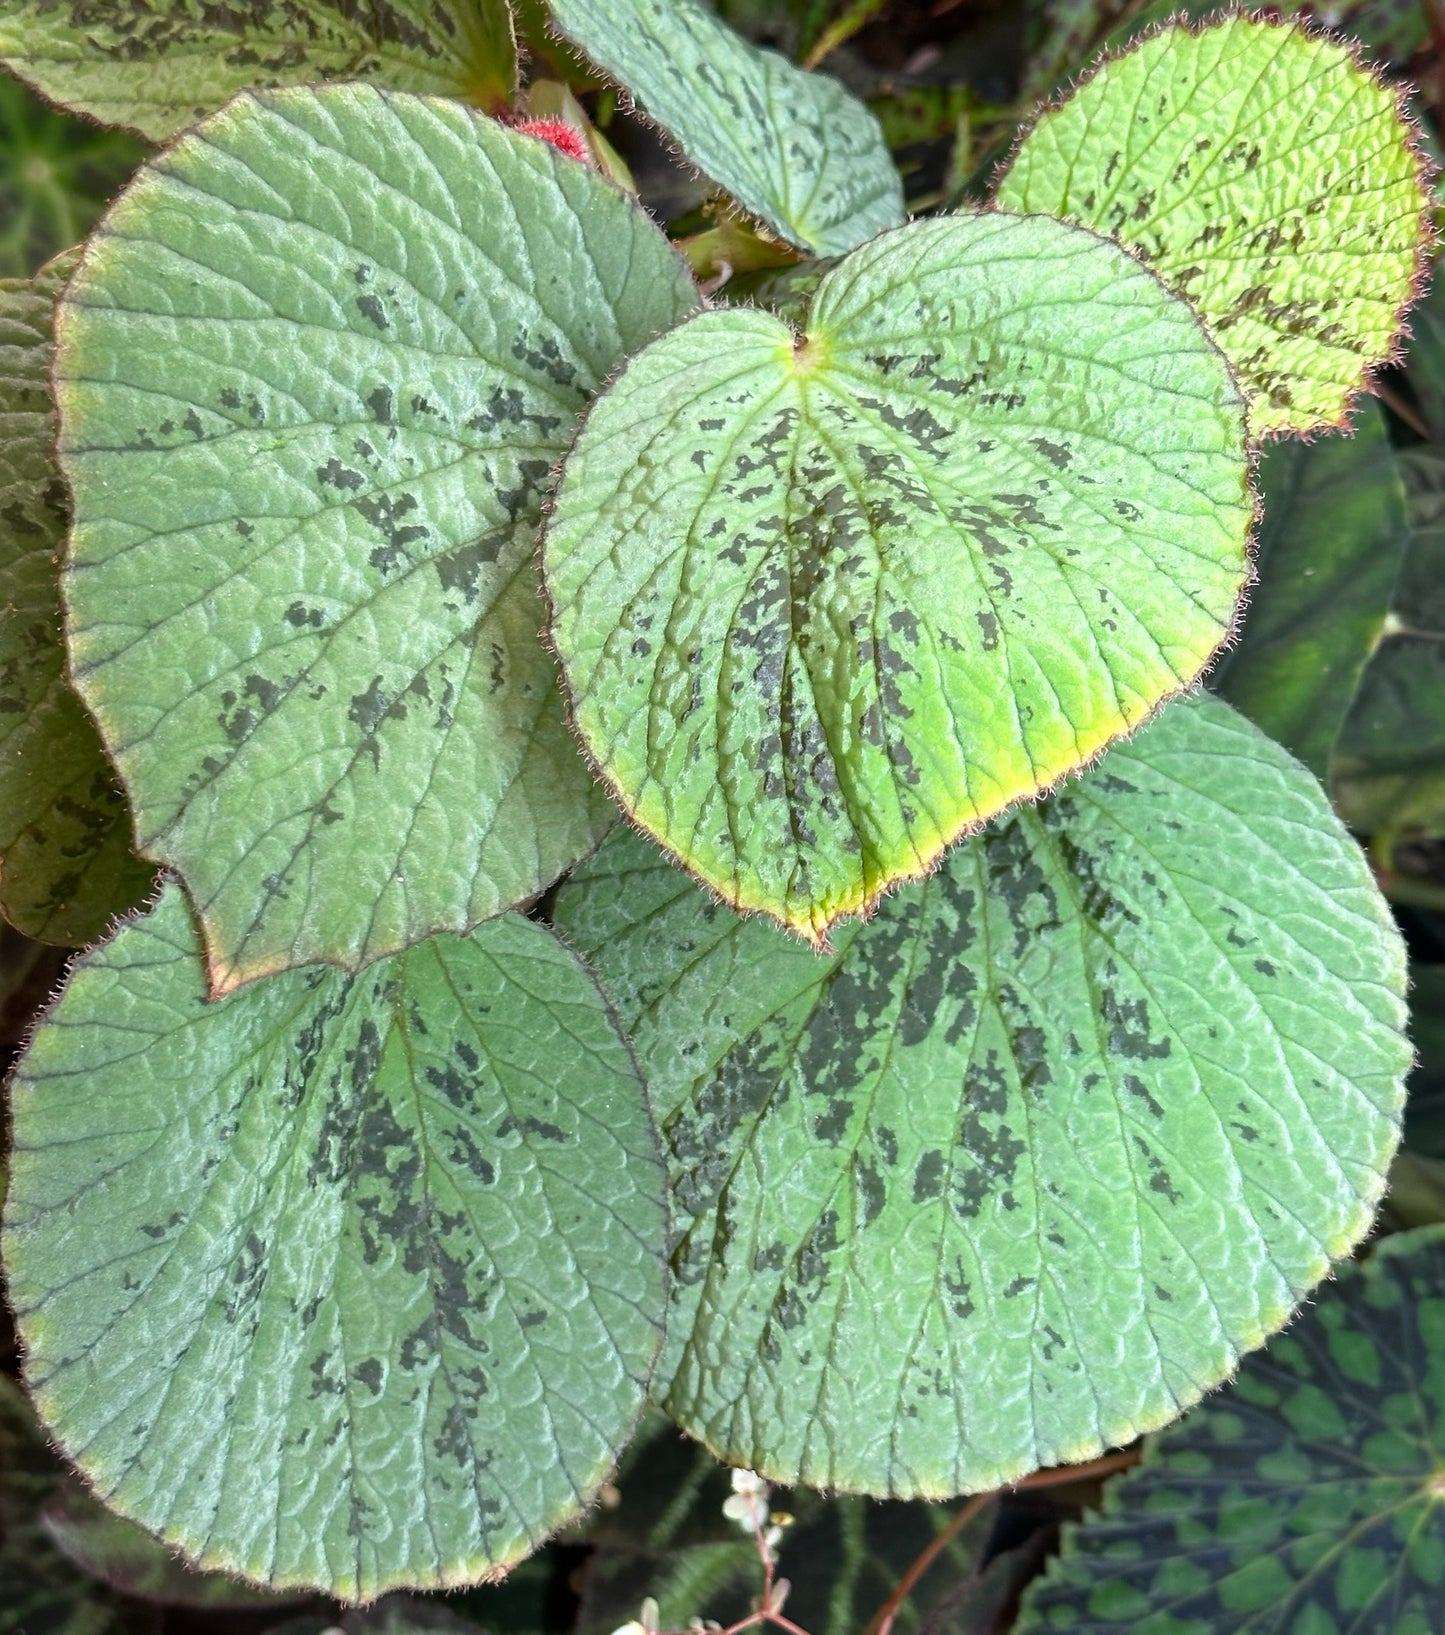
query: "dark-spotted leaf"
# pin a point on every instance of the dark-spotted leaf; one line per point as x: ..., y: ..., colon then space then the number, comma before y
x: 1024, y: 1166
x: 157, y: 66
x: 66, y: 863
x: 1266, y: 175
x: 1330, y: 542
x: 794, y: 148
x: 307, y: 443
x: 825, y: 601
x: 1303, y: 1500
x: 349, y: 1281
x: 1387, y: 772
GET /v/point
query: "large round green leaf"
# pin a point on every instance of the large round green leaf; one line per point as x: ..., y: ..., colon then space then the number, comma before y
x: 342, y: 1280
x: 1266, y: 175
x: 1304, y: 1500
x: 824, y: 602
x: 313, y: 374
x: 66, y: 864
x: 1024, y: 1166
x: 793, y: 148
x: 158, y: 65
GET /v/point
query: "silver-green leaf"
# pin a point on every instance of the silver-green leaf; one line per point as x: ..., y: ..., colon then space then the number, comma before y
x: 349, y: 1281
x: 793, y: 148
x: 1024, y: 1166
x: 313, y: 373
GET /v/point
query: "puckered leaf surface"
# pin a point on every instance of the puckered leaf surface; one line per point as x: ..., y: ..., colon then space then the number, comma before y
x: 314, y: 372
x: 1023, y: 1167
x: 795, y: 149
x: 1331, y: 538
x: 66, y: 864
x: 1305, y: 1498
x: 342, y: 1280
x: 159, y: 65
x: 824, y: 602
x: 1265, y: 175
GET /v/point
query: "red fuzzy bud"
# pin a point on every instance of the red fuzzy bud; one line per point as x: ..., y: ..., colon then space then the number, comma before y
x: 564, y: 137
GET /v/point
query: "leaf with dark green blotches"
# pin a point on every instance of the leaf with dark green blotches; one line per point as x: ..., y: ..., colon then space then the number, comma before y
x: 1024, y: 1166
x: 1387, y: 772
x: 157, y: 66
x: 56, y: 176
x: 66, y: 864
x: 793, y: 148
x: 1303, y: 1500
x: 302, y: 591
x: 372, y: 1266
x: 1267, y: 176
x: 825, y: 602
x: 1329, y: 546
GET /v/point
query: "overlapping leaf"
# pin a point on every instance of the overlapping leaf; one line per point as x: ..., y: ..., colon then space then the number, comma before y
x: 1306, y: 1497
x: 824, y: 602
x: 1330, y: 543
x: 1024, y: 1166
x: 793, y: 148
x: 1388, y: 768
x: 371, y: 1267
x: 66, y: 864
x: 159, y: 65
x: 314, y: 372
x: 1266, y: 176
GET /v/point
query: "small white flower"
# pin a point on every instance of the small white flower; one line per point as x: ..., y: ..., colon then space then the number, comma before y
x: 748, y: 1503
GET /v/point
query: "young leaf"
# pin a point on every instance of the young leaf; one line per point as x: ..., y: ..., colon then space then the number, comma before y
x: 1023, y: 1167
x: 1267, y: 176
x: 794, y: 149
x: 157, y: 66
x: 825, y: 602
x: 1306, y: 1497
x: 1387, y: 771
x: 1330, y: 542
x: 371, y: 1267
x: 303, y: 605
x: 66, y: 864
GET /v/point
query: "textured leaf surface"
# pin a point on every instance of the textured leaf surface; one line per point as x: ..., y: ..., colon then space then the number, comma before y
x: 1329, y: 547
x: 302, y: 592
x: 349, y: 1281
x: 159, y: 65
x: 1264, y: 175
x: 1388, y: 768
x: 824, y: 603
x: 66, y: 865
x: 793, y: 148
x: 1023, y: 1167
x: 1305, y: 1498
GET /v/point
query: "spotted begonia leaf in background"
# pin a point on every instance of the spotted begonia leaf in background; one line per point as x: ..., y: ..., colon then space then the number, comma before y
x: 1024, y: 1166
x: 795, y: 149
x: 370, y: 1267
x: 1306, y: 1497
x: 157, y: 66
x: 66, y: 864
x: 1388, y: 767
x: 824, y: 602
x: 1265, y: 175
x: 1330, y: 542
x: 307, y: 444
